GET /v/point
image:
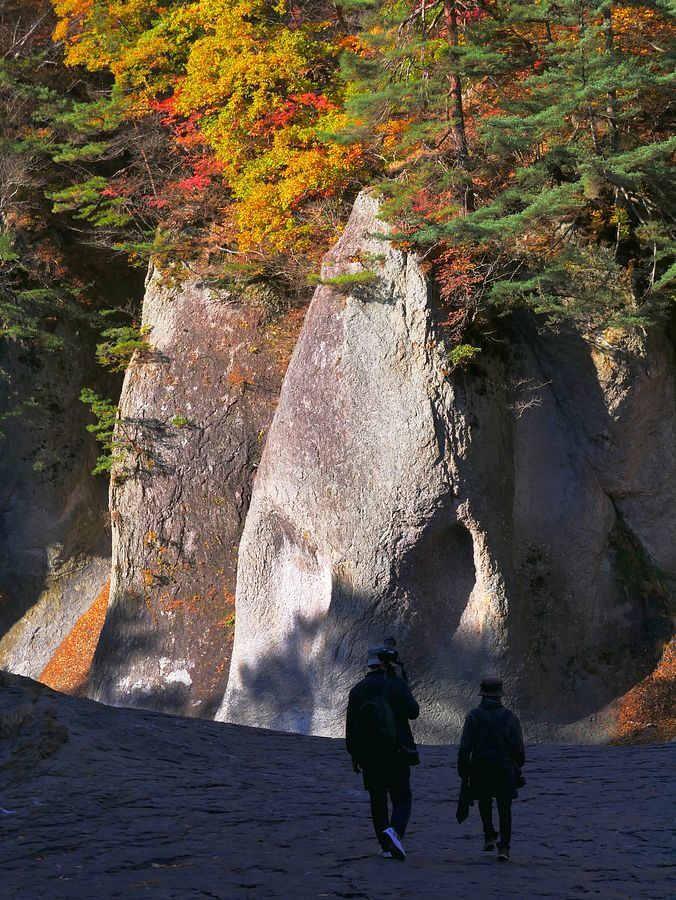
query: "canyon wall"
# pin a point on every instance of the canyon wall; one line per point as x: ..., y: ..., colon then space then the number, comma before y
x: 514, y: 517
x: 195, y: 409
x: 54, y: 532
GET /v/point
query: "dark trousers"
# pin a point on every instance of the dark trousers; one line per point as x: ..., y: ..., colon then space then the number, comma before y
x: 393, y: 779
x: 504, y: 803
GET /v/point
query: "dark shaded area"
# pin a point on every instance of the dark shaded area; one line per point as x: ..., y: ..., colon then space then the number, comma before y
x: 136, y: 803
x: 195, y: 411
x: 555, y: 618
x: 48, y: 497
x: 131, y: 650
x: 438, y: 575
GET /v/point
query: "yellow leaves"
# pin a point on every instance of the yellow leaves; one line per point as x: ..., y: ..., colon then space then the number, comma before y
x: 70, y: 14
x: 641, y: 30
x: 83, y: 46
x: 256, y: 79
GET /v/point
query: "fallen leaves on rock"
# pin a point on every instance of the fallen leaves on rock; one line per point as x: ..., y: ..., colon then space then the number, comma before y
x: 68, y: 669
x: 648, y: 711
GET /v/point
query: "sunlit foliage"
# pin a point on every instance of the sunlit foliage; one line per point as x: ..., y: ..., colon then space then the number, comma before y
x: 523, y: 147
x: 247, y: 88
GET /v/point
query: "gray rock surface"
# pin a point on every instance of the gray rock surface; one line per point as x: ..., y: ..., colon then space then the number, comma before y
x: 194, y: 408
x: 120, y: 803
x: 517, y: 516
x: 54, y: 529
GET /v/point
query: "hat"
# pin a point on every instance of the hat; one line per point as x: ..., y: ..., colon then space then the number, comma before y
x: 375, y: 654
x: 491, y: 687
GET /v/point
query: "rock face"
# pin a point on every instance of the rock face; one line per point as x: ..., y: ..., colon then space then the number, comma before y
x: 54, y: 533
x: 514, y: 517
x: 194, y: 408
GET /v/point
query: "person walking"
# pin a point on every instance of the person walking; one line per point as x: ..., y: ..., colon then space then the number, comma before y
x: 380, y: 742
x: 490, y: 757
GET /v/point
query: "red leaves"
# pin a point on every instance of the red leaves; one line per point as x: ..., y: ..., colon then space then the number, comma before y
x: 167, y: 106
x: 204, y: 169
x: 292, y: 109
x: 472, y: 14
x: 194, y: 183
x: 188, y: 137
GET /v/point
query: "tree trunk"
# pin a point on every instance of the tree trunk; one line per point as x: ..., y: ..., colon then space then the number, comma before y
x: 457, y: 114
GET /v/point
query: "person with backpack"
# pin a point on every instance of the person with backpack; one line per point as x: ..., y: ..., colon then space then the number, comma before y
x: 490, y: 757
x: 380, y: 742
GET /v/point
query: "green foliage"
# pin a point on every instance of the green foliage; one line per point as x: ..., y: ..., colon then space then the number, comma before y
x: 121, y: 343
x: 104, y: 429
x: 86, y: 200
x: 31, y: 308
x: 179, y: 421
x: 346, y: 280
x: 462, y: 354
x: 7, y: 252
x: 525, y: 150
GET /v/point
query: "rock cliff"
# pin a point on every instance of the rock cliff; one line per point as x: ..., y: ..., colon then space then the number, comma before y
x: 195, y: 408
x: 516, y: 516
x: 54, y: 533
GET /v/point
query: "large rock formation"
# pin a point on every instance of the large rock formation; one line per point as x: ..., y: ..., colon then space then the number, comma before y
x: 515, y: 517
x: 54, y: 534
x: 195, y: 408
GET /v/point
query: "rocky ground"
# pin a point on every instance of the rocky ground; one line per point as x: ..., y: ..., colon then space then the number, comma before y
x: 102, y: 802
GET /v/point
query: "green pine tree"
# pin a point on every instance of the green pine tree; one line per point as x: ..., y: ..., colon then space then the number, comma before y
x: 524, y: 148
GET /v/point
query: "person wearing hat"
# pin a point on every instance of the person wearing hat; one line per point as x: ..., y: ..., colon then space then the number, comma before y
x: 489, y: 761
x: 379, y: 740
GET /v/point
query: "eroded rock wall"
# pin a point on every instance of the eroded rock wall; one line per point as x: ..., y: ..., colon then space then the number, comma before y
x: 54, y: 531
x: 516, y: 517
x: 195, y: 409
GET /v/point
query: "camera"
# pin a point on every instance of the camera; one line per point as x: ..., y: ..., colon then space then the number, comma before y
x: 390, y: 656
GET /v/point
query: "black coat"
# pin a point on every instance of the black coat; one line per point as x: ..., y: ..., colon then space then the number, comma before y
x: 486, y: 780
x: 403, y: 703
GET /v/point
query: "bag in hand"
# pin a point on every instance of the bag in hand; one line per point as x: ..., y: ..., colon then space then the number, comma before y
x: 409, y: 755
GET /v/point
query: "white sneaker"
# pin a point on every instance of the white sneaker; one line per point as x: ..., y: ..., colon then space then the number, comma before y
x: 397, y: 848
x: 386, y: 854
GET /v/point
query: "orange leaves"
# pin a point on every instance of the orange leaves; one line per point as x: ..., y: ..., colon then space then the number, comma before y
x: 647, y: 712
x: 641, y: 30
x: 68, y: 669
x: 239, y: 378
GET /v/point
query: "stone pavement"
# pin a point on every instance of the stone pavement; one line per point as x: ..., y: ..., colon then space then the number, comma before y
x: 102, y: 803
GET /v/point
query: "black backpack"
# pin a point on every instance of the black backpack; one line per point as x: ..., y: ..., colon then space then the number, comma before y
x: 377, y: 726
x: 492, y: 746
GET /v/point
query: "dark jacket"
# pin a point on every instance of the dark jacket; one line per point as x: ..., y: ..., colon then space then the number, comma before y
x: 403, y: 703
x: 485, y: 779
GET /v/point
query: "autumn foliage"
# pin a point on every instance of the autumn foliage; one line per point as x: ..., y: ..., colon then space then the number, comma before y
x: 523, y: 147
x: 68, y: 669
x: 245, y: 89
x: 647, y: 712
